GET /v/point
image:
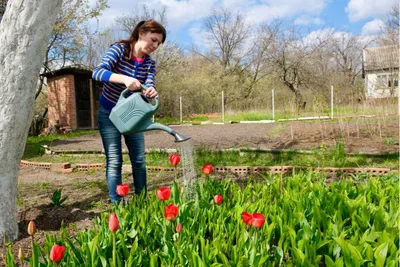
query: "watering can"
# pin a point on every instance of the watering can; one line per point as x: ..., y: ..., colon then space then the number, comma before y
x: 132, y: 114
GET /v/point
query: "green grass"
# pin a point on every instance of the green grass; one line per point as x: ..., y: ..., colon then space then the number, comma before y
x: 319, y: 158
x: 33, y: 146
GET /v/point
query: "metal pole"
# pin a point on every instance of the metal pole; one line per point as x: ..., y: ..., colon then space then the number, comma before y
x: 223, y: 108
x: 273, y: 104
x: 180, y: 109
x: 331, y: 101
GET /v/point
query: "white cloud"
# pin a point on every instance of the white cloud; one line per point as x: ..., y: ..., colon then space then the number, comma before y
x: 362, y: 9
x: 305, y: 20
x: 373, y: 27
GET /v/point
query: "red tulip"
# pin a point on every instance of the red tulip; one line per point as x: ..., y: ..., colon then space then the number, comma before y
x: 57, y: 252
x: 218, y: 199
x: 247, y: 218
x: 163, y: 193
x: 113, y: 223
x: 31, y: 228
x: 178, y: 227
x: 258, y: 220
x: 174, y: 159
x: 122, y: 189
x: 171, y: 212
x: 207, y: 169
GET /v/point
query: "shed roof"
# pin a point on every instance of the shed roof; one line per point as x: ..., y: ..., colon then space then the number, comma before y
x: 69, y: 70
x: 381, y: 58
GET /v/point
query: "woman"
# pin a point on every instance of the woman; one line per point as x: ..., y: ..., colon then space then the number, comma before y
x: 127, y: 64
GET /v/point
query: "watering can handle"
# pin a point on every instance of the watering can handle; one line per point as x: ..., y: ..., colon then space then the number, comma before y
x: 157, y: 102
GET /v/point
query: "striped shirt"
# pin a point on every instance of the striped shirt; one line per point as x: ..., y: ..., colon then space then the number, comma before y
x: 115, y: 62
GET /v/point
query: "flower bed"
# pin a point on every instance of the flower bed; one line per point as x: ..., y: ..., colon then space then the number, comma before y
x: 299, y: 221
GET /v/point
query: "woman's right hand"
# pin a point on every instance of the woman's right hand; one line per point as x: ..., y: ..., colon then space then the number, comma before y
x: 132, y: 83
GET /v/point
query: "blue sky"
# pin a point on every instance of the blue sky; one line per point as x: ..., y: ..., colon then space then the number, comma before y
x: 185, y: 17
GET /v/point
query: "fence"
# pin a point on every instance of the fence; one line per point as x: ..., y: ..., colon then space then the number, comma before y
x: 279, y: 106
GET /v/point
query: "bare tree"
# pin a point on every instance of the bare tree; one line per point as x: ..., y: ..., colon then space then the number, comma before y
x: 24, y: 32
x: 292, y: 57
x: 391, y: 30
x: 128, y: 22
x: 227, y: 35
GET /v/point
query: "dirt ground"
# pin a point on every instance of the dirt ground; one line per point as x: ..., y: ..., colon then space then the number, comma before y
x: 359, y: 136
x: 87, y: 192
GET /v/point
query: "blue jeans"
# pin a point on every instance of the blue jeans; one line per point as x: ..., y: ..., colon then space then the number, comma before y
x: 111, y: 138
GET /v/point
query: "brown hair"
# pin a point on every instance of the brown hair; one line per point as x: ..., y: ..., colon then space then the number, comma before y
x: 142, y: 27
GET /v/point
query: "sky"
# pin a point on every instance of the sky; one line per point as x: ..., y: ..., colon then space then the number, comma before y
x: 186, y: 17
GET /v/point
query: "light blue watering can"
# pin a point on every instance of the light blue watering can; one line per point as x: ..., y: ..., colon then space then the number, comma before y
x: 132, y: 114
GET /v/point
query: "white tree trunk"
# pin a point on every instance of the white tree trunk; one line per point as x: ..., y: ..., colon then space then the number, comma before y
x: 24, y: 32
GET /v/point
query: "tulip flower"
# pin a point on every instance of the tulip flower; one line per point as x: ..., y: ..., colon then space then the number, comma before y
x: 122, y: 189
x: 171, y: 212
x: 31, y: 228
x: 207, y: 169
x: 258, y: 220
x: 178, y: 227
x: 174, y: 159
x: 163, y: 193
x: 113, y: 223
x: 57, y: 253
x: 218, y: 199
x: 247, y: 218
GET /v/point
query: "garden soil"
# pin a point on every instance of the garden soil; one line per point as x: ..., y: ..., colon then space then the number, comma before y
x: 87, y: 192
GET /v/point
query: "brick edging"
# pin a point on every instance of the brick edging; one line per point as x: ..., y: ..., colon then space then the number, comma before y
x: 238, y: 170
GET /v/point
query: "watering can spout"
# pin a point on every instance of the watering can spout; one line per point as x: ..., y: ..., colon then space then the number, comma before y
x: 158, y: 126
x: 179, y: 137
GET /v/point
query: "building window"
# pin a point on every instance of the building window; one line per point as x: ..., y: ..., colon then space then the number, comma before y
x: 387, y: 81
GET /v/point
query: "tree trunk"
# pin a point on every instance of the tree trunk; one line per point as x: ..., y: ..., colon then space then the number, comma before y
x: 24, y: 32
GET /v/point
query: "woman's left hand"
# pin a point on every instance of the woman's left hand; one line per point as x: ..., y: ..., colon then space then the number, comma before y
x: 151, y: 92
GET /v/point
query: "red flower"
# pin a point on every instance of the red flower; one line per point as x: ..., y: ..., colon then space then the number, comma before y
x: 218, y: 199
x: 122, y: 189
x: 171, y: 212
x: 113, y: 223
x: 207, y: 169
x: 57, y: 252
x: 163, y: 193
x: 31, y: 228
x: 178, y: 227
x: 247, y: 218
x: 258, y: 220
x: 174, y: 159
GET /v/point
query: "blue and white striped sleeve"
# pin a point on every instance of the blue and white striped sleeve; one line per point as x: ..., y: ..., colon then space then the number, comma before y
x: 105, y: 69
x: 151, y: 79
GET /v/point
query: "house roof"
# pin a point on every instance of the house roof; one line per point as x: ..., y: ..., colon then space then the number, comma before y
x: 380, y: 58
x: 69, y: 70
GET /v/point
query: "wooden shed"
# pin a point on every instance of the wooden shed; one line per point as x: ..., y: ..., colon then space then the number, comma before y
x: 73, y: 98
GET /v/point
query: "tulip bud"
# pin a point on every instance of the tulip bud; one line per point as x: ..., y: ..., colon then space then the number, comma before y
x: 207, y: 169
x: 21, y: 255
x: 218, y: 199
x: 31, y: 228
x: 57, y: 253
x: 258, y: 220
x: 174, y: 159
x: 178, y: 227
x: 171, y: 212
x: 113, y: 223
x: 122, y: 189
x: 163, y: 193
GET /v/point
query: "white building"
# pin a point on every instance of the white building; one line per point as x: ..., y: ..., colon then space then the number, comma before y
x: 381, y: 71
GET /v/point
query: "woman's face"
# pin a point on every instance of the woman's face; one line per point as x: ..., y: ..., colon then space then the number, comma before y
x: 148, y: 42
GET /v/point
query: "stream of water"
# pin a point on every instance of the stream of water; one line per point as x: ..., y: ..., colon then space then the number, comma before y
x: 188, y: 170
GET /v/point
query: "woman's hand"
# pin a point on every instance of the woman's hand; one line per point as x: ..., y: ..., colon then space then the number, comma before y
x: 151, y: 92
x: 132, y: 83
